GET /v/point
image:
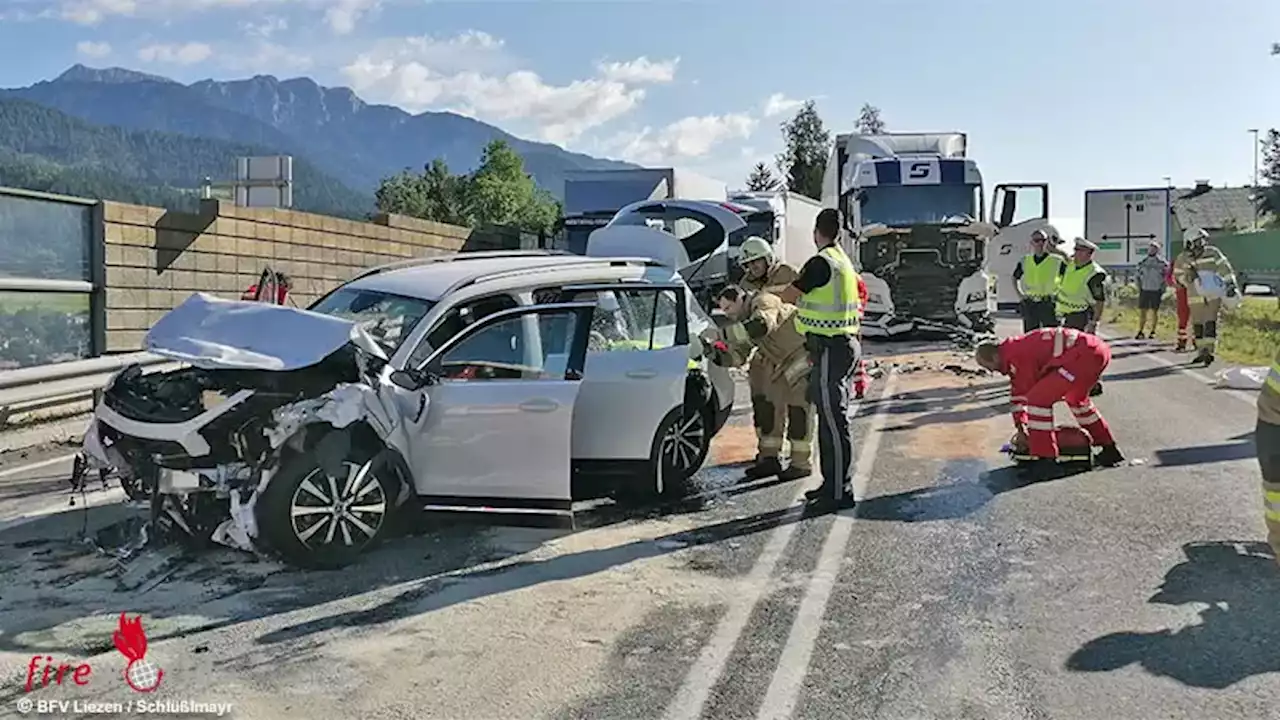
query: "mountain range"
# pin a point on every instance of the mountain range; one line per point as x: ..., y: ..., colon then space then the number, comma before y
x: 160, y: 136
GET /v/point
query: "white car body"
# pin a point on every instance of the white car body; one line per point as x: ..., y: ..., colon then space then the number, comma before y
x: 506, y: 446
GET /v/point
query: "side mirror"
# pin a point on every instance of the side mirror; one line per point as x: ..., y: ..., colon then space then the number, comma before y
x: 408, y: 379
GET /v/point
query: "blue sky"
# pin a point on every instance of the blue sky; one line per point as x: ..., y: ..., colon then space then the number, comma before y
x: 1078, y: 93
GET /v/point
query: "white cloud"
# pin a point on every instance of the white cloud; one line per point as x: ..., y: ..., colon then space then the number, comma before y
x: 688, y: 138
x: 185, y: 54
x: 92, y: 49
x: 344, y: 14
x: 779, y: 104
x: 639, y: 71
x: 472, y: 74
x: 266, y: 58
x: 266, y: 27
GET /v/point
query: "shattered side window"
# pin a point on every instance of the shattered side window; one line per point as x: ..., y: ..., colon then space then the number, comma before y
x: 388, y: 318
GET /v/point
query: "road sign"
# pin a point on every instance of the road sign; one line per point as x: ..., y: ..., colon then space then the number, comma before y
x: 1123, y: 222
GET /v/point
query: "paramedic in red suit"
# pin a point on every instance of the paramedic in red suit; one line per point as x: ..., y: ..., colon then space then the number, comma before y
x: 1045, y: 366
x: 860, y: 378
x: 1184, y: 310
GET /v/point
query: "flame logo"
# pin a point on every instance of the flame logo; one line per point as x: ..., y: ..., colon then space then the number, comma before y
x: 130, y: 639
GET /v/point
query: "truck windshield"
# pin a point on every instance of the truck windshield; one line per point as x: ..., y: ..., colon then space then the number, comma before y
x: 899, y: 205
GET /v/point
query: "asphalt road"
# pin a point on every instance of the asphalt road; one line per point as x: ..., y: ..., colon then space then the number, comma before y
x: 952, y: 592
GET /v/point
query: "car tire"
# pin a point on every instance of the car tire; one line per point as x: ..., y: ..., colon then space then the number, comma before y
x: 680, y: 447
x: 290, y: 520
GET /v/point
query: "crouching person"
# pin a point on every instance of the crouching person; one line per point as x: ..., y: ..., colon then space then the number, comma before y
x: 761, y: 320
x: 1046, y: 366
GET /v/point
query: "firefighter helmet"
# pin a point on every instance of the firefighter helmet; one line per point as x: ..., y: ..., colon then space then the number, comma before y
x: 1194, y: 236
x: 755, y: 248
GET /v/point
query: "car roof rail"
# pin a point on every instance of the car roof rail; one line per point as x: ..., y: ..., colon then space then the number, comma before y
x: 585, y: 261
x: 455, y: 257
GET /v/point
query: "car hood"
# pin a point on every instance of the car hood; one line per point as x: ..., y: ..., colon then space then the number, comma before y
x: 216, y: 334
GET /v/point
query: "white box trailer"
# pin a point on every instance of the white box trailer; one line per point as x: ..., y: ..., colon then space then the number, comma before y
x: 1122, y: 222
x: 783, y: 218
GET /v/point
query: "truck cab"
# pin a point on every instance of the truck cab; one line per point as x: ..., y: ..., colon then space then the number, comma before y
x: 915, y: 206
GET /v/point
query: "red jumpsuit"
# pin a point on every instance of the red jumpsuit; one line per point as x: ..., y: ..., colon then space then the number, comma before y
x: 860, y: 378
x: 1049, y: 365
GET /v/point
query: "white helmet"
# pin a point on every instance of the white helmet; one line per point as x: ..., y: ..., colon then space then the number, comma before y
x: 1194, y: 235
x: 754, y: 248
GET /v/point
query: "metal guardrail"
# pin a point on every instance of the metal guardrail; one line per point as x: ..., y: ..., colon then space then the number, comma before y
x: 46, y: 386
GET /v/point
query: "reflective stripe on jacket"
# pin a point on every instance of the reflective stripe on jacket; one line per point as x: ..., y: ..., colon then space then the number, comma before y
x: 832, y: 309
x: 1040, y: 279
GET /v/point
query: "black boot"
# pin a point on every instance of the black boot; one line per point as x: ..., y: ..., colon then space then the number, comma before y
x: 1109, y: 456
x: 1140, y: 336
x: 764, y: 467
x: 1096, y: 390
x: 824, y: 497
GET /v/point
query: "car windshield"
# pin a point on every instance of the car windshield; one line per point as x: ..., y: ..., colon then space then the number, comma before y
x: 388, y: 318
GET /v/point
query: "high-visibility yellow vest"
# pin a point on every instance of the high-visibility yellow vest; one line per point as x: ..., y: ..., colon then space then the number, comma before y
x: 1073, y: 292
x: 832, y: 309
x: 1040, y: 279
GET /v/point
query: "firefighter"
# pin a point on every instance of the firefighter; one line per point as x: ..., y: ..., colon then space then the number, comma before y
x: 1267, y: 439
x: 1082, y: 293
x: 1199, y: 263
x: 1045, y: 366
x: 826, y: 299
x: 760, y: 269
x: 860, y: 377
x: 761, y: 320
x: 1036, y: 279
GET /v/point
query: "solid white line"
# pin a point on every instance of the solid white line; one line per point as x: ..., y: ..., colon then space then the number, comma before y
x: 706, y: 671
x: 793, y: 666
x: 36, y: 465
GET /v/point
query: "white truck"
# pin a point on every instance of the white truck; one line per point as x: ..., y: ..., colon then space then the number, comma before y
x: 914, y: 205
x: 782, y: 218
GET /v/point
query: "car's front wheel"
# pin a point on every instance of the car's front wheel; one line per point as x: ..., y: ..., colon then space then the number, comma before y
x: 317, y: 520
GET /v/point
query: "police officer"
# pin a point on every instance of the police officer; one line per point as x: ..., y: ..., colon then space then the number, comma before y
x: 1082, y: 293
x: 1036, y: 279
x: 762, y: 270
x: 826, y: 300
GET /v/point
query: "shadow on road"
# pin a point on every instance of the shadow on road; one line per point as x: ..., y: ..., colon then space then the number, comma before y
x: 1143, y: 374
x: 947, y: 501
x: 1243, y: 449
x: 1237, y: 636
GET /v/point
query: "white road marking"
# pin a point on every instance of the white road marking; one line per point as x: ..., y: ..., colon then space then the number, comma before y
x: 7, y: 472
x: 706, y: 671
x: 793, y: 666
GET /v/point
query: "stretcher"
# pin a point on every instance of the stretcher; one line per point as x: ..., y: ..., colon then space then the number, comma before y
x: 1074, y: 448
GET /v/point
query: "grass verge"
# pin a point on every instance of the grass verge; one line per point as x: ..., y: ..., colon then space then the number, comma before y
x: 1247, y: 335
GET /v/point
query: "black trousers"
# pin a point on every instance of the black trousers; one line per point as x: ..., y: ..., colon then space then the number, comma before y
x: 834, y: 360
x: 1077, y: 320
x: 1038, y: 314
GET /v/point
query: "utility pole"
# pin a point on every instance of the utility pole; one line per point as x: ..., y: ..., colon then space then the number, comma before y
x: 1256, y: 142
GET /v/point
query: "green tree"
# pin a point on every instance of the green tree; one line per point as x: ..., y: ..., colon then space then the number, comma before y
x: 869, y: 122
x: 808, y: 145
x: 499, y: 192
x: 1268, y: 195
x: 761, y: 179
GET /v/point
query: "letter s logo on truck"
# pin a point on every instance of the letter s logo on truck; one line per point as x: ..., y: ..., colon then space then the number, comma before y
x: 1006, y: 249
x: 919, y: 171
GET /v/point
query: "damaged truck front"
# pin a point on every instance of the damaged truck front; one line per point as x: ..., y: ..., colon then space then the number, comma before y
x: 279, y: 424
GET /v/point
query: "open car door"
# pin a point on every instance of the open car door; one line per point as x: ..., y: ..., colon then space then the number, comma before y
x: 636, y: 366
x: 700, y: 230
x: 489, y: 430
x: 1018, y: 209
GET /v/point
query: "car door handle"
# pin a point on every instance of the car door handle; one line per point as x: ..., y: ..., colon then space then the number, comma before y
x: 539, y: 406
x: 642, y: 374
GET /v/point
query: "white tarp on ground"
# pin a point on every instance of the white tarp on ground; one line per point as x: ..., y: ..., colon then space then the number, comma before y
x: 1243, y: 378
x: 212, y: 333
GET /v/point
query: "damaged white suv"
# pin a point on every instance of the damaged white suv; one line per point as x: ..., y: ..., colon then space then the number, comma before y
x: 502, y: 383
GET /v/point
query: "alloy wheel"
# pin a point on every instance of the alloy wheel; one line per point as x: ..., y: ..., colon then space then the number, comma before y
x: 682, y: 445
x: 349, y: 510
